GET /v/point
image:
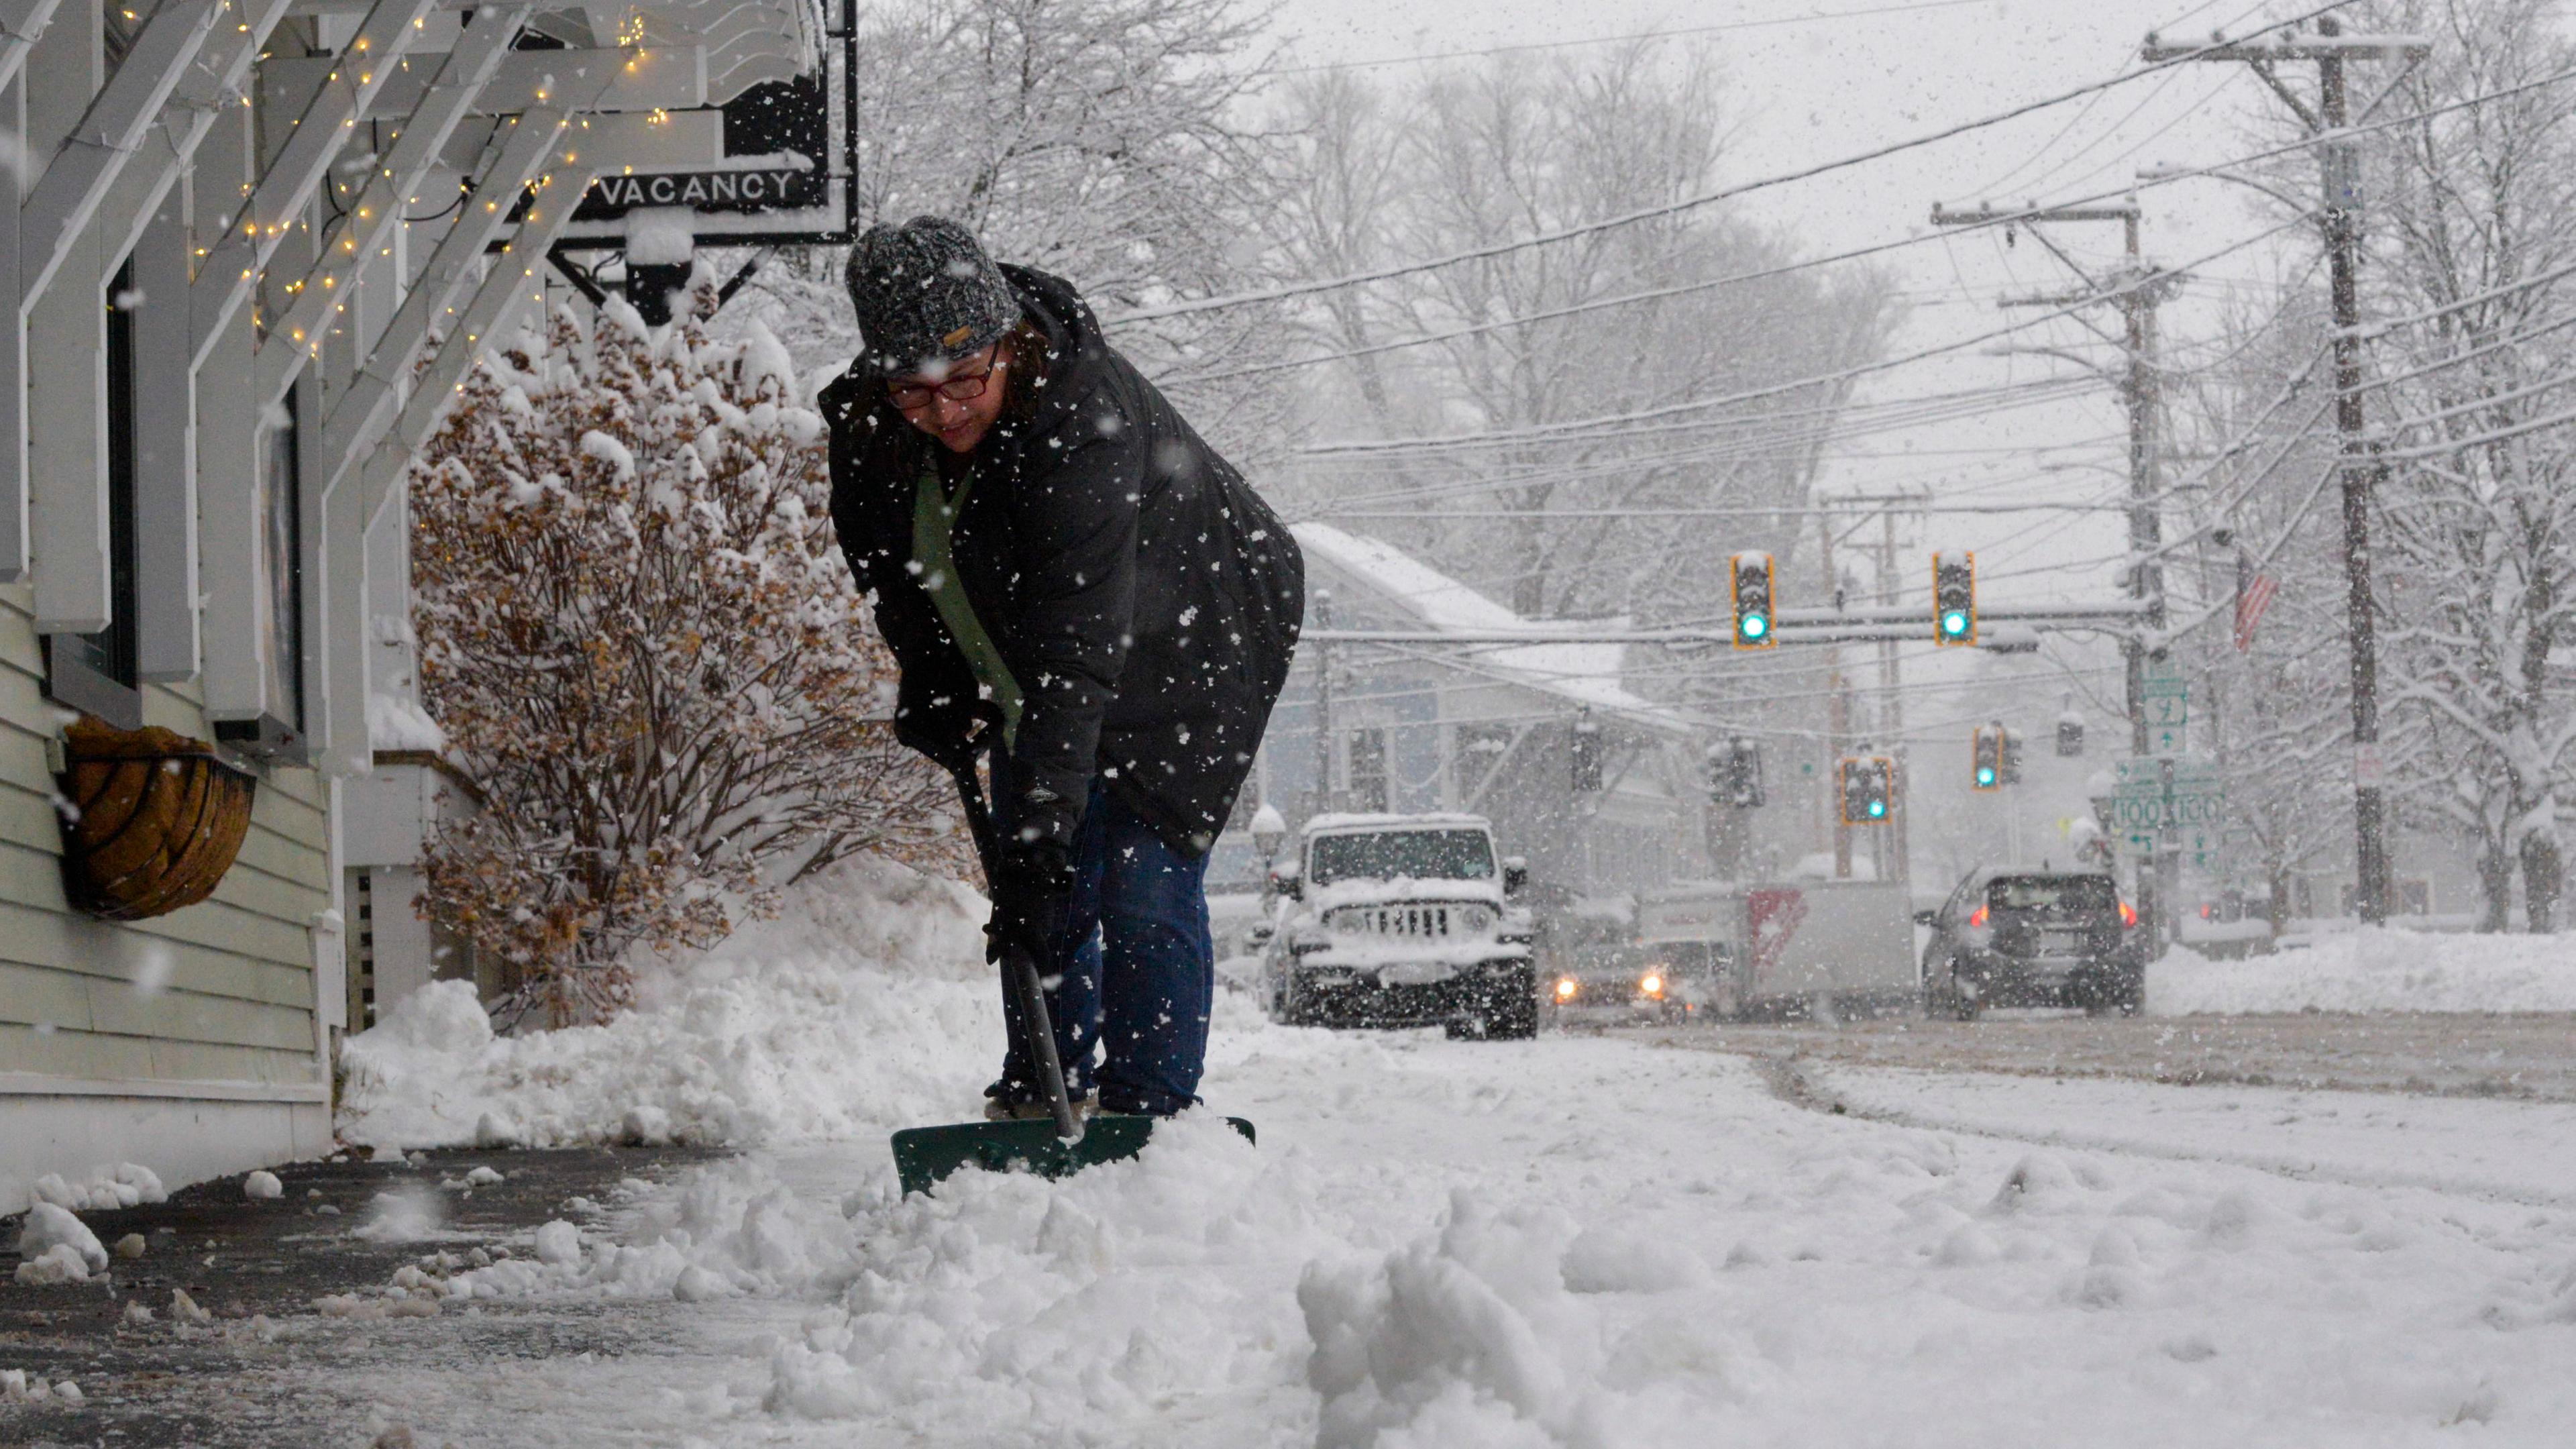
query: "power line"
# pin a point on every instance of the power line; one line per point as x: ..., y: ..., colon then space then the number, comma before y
x: 1506, y: 436
x: 1705, y: 199
x: 1571, y: 514
x: 1724, y: 27
x: 2000, y: 218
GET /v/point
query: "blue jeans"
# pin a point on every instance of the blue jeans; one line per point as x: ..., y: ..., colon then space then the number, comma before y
x: 1133, y: 972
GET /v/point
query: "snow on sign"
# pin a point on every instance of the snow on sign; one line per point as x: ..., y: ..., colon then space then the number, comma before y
x: 779, y: 173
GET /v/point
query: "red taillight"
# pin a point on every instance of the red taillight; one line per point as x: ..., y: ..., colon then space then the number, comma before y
x: 1977, y: 917
x: 2128, y: 916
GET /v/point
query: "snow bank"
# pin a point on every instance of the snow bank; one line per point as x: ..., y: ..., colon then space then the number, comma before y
x: 865, y: 1005
x: 2381, y: 970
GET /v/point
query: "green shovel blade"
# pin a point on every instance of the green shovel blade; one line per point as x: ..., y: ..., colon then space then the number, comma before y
x: 924, y: 1155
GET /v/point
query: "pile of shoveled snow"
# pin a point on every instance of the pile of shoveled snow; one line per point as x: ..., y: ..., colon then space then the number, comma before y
x: 2375, y: 970
x: 1064, y: 1308
x: 865, y: 1005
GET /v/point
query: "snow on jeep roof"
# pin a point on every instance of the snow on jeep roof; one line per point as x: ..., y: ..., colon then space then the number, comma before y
x: 1359, y: 820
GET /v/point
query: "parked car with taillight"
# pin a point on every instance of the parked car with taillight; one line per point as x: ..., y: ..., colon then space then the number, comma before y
x: 2033, y: 938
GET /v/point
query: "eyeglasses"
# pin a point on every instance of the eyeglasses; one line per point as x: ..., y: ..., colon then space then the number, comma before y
x: 909, y: 395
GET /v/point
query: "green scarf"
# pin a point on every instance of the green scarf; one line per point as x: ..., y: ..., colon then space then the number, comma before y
x: 934, y: 523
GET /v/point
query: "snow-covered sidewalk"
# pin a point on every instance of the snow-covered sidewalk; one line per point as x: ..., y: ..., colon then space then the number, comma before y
x: 1577, y: 1241
x: 2386, y: 969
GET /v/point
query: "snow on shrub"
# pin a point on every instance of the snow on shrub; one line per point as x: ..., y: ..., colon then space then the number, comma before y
x: 641, y: 642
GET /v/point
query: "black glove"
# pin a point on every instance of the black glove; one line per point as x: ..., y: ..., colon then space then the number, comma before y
x: 1032, y: 893
x: 941, y: 728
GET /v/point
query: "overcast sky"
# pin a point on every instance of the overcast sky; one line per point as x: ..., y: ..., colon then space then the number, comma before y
x: 1811, y: 88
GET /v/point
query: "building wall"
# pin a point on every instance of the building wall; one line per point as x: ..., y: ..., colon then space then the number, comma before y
x: 200, y: 1027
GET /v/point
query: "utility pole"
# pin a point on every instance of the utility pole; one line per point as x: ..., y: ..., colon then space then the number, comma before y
x: 1323, y: 704
x: 2361, y: 467
x: 1893, y: 721
x: 1888, y: 846
x: 2138, y: 291
x: 1838, y: 708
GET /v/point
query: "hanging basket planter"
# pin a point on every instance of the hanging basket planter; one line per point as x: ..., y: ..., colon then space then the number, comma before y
x: 152, y: 820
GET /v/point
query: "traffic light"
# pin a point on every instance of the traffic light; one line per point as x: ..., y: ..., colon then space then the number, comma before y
x: 1748, y: 577
x: 1869, y: 789
x: 2011, y: 755
x: 1954, y: 599
x: 1986, y: 758
x: 1735, y: 773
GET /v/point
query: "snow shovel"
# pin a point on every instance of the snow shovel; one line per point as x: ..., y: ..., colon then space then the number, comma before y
x: 1058, y: 1147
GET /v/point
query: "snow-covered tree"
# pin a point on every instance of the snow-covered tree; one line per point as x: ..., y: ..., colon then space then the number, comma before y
x: 1607, y: 322
x: 638, y: 633
x: 2467, y: 208
x: 2478, y: 213
x: 1102, y: 140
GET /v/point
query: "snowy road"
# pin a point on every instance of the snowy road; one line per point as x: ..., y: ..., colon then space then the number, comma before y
x: 1593, y: 1240
x: 2530, y: 1056
x: 1603, y: 1242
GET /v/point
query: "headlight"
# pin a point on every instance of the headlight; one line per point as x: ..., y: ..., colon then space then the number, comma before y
x: 1565, y: 988
x: 1474, y: 918
x: 1652, y: 983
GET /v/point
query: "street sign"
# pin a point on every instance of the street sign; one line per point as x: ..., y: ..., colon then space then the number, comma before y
x: 2167, y: 803
x: 2168, y: 709
x: 2162, y: 676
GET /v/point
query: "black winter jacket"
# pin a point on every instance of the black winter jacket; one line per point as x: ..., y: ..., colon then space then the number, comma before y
x: 1145, y: 598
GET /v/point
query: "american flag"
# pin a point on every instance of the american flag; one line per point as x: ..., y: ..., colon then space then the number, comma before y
x: 2253, y: 595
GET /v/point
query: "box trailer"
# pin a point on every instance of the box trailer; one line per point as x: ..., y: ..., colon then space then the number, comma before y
x: 1824, y: 947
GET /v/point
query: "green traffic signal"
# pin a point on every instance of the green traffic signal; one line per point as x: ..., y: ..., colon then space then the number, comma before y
x: 1754, y: 626
x: 1954, y: 623
x: 1877, y: 808
x: 1985, y: 776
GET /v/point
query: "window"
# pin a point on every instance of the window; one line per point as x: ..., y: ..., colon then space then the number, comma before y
x: 1368, y: 770
x: 1417, y: 854
x: 282, y: 558
x: 1481, y: 748
x: 280, y: 621
x: 95, y: 673
x: 2062, y: 894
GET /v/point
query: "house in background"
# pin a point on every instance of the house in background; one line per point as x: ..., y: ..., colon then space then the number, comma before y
x: 1597, y: 787
x: 257, y: 244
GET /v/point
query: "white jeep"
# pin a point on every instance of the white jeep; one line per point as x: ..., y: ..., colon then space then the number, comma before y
x: 1401, y: 920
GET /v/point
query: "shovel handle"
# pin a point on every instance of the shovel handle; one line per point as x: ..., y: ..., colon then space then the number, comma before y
x: 1019, y: 964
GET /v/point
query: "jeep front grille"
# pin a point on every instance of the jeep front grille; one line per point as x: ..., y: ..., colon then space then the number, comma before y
x: 1419, y: 922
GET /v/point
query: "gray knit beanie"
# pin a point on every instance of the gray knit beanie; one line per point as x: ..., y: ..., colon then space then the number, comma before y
x: 926, y: 294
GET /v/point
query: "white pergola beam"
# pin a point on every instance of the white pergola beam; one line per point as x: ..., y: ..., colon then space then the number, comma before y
x: 360, y: 414
x: 13, y: 376
x: 447, y: 101
x: 233, y: 531
x: 286, y: 188
x: 66, y: 424
x: 335, y: 553
x: 57, y: 211
x: 21, y: 21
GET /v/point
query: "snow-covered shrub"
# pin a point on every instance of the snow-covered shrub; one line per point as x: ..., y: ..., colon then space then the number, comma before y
x: 642, y: 643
